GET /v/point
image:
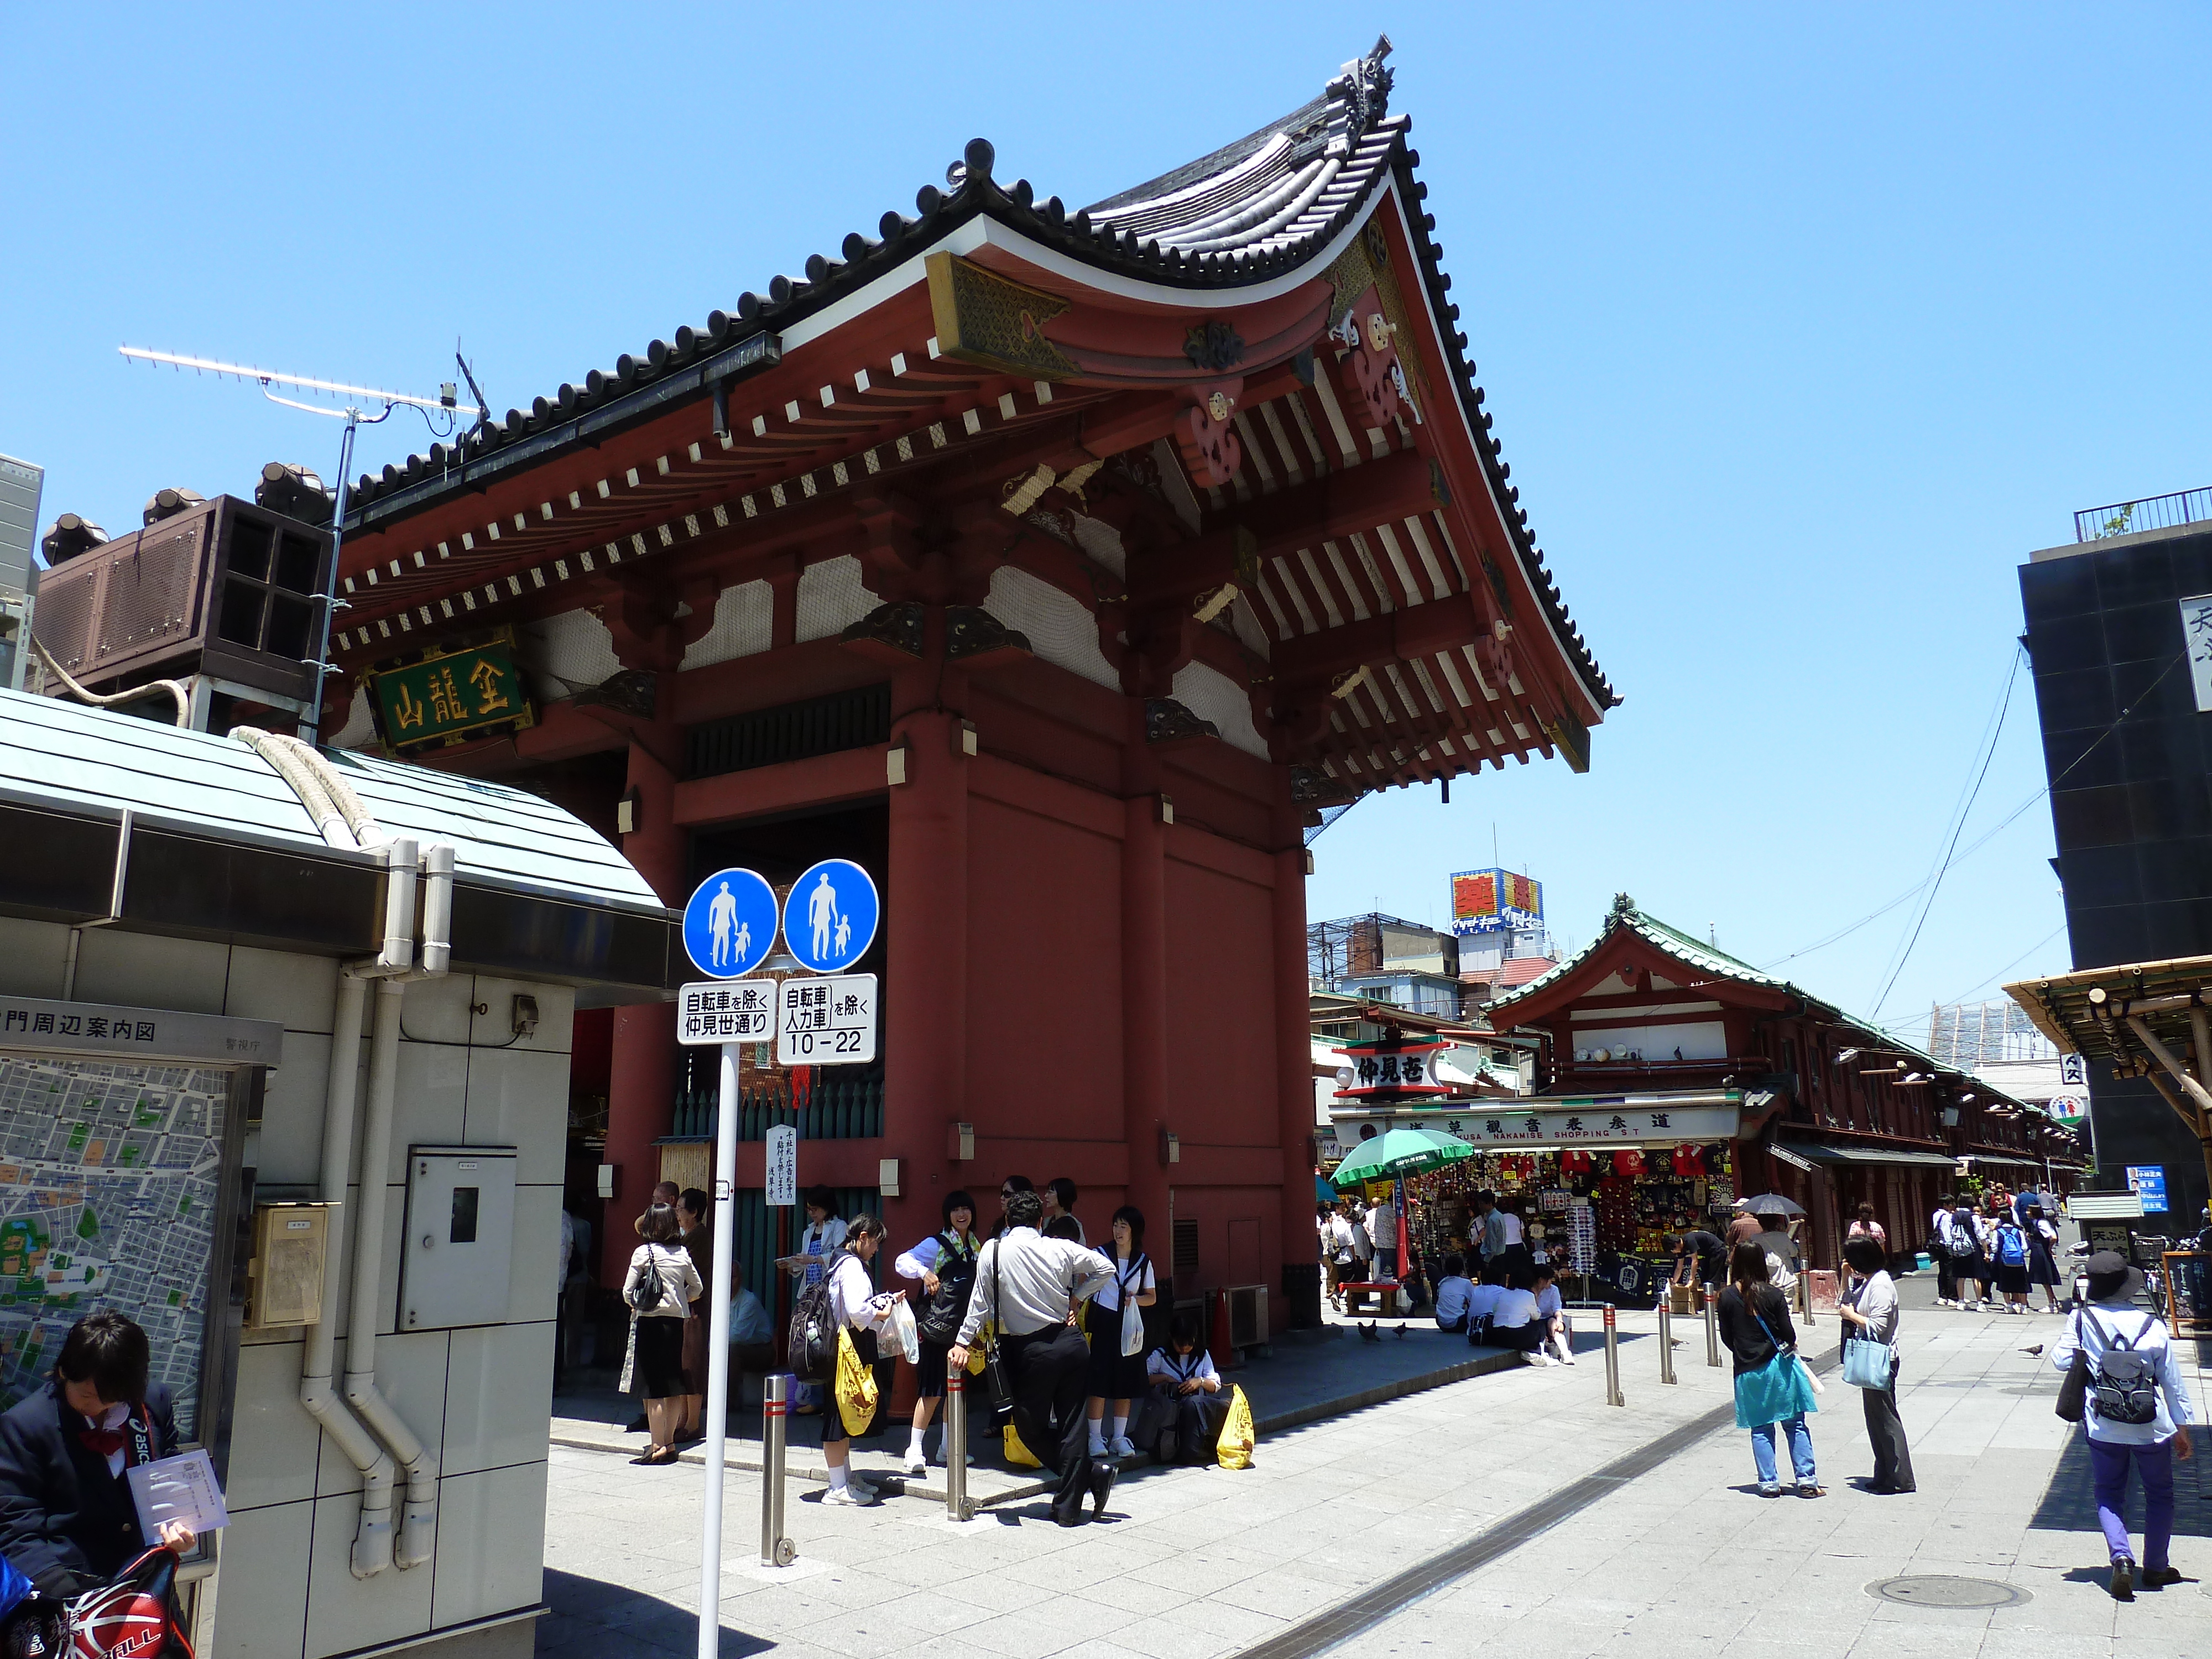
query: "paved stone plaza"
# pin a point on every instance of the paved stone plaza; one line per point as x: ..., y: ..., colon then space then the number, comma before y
x: 1685, y: 1557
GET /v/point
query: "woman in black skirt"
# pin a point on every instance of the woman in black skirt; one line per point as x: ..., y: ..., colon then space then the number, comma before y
x: 660, y: 1288
x: 2042, y: 1255
x: 1115, y: 1375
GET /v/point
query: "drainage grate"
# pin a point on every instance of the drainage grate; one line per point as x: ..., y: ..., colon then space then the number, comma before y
x: 1936, y: 1590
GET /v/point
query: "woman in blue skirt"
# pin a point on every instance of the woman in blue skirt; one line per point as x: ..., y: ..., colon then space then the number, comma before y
x: 1771, y: 1388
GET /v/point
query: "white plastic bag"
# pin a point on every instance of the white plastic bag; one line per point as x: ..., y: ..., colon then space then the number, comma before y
x: 1133, y: 1325
x: 903, y: 1330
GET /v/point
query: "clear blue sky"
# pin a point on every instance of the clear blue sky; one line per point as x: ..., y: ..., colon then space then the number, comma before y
x: 1801, y: 326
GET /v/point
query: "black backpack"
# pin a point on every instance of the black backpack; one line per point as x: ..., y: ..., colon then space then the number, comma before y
x: 956, y: 1279
x: 2123, y: 1383
x: 1966, y: 1241
x: 811, y: 1340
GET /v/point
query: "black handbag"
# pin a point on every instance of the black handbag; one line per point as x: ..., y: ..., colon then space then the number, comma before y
x: 994, y: 1361
x: 2074, y: 1392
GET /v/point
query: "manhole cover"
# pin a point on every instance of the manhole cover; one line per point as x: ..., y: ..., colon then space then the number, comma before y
x: 1940, y: 1591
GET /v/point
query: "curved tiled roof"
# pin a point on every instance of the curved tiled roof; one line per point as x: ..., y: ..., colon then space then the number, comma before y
x: 1243, y: 216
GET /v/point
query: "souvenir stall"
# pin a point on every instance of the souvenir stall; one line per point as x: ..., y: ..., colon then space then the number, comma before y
x: 1598, y: 1184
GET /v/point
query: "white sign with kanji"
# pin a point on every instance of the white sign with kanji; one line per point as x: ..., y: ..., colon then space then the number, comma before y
x: 829, y: 1020
x: 781, y: 1162
x: 709, y: 1012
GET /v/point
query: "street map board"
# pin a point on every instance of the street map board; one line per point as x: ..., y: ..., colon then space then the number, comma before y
x: 112, y: 1195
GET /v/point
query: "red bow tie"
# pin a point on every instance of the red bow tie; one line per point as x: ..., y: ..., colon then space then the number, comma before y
x: 105, y: 1442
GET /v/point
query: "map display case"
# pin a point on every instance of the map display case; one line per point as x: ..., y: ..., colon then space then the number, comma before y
x: 122, y: 1186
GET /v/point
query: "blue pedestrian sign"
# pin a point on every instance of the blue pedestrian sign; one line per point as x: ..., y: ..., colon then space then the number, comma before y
x: 830, y: 919
x: 729, y: 925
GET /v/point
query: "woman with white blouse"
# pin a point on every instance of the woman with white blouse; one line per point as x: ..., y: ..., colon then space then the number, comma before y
x: 1871, y: 1309
x: 856, y: 1306
x: 944, y: 1264
x: 659, y: 1288
x: 1117, y: 1363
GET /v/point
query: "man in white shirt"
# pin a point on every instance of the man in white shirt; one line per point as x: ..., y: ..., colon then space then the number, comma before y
x: 1482, y: 1301
x: 1026, y: 1283
x: 1514, y: 1325
x: 1382, y: 1234
x: 1340, y: 1260
x: 1453, y: 1291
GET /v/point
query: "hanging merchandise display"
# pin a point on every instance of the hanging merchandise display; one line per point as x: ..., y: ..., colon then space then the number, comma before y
x: 1601, y: 1215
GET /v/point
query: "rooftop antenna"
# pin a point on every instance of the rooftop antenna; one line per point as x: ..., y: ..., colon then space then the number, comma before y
x: 445, y: 408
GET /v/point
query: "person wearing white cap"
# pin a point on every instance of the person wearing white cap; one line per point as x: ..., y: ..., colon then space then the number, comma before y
x: 2136, y: 1408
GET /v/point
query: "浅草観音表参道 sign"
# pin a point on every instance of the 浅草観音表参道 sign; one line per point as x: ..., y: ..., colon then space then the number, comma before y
x: 450, y: 694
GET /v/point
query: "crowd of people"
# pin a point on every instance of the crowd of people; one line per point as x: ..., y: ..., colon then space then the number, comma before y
x: 1090, y: 1381
x: 2002, y: 1246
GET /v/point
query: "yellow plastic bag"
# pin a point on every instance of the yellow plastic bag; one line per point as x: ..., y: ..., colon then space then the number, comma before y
x: 855, y: 1385
x: 1018, y: 1454
x: 976, y: 1350
x: 1234, y: 1449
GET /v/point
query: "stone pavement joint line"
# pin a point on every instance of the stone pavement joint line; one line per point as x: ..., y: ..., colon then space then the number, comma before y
x: 1371, y: 1606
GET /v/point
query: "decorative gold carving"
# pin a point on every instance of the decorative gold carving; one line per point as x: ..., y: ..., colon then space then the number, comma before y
x: 981, y: 318
x: 1365, y: 261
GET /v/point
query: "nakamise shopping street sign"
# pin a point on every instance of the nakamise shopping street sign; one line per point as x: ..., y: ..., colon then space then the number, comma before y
x: 449, y: 696
x: 1599, y: 1120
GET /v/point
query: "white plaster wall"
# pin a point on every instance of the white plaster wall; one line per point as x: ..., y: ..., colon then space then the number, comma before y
x: 481, y: 1395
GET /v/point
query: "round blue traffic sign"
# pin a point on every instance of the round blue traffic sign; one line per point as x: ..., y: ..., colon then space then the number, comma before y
x: 830, y: 919
x: 729, y: 925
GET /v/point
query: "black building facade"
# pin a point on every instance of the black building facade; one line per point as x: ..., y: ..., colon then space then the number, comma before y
x: 2127, y: 746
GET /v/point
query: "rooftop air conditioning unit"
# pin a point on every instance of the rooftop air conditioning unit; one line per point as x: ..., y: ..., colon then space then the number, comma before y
x: 222, y: 588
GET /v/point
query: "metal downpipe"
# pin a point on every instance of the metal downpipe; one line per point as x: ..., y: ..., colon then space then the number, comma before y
x: 372, y: 1542
x: 418, y: 1528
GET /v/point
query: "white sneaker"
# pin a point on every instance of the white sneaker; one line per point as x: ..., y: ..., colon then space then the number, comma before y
x: 851, y: 1496
x: 916, y: 1464
x: 861, y: 1486
x: 1122, y: 1446
x: 1537, y: 1358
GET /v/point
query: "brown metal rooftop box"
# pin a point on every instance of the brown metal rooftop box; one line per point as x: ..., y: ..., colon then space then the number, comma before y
x: 224, y: 588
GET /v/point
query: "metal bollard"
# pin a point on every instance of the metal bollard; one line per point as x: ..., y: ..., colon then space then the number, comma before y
x: 1712, y: 1329
x: 1805, y: 1295
x: 1612, y: 1394
x: 957, y: 1507
x: 1666, y: 1339
x: 776, y: 1550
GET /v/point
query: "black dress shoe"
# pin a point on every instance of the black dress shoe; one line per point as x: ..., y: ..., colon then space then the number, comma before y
x: 1069, y: 1514
x: 2159, y: 1577
x: 1101, y: 1485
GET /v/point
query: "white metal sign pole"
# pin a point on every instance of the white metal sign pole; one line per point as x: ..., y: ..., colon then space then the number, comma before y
x: 718, y: 1355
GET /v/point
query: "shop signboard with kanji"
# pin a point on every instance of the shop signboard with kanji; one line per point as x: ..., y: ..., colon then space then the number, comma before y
x: 1549, y: 1123
x: 448, y: 696
x: 829, y: 1020
x: 726, y: 1011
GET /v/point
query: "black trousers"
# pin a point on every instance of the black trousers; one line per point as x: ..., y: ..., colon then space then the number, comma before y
x: 1049, y: 1372
x: 1893, y: 1458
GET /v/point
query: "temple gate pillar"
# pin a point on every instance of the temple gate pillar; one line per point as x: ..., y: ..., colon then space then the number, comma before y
x: 641, y: 1077
x: 1294, y: 1072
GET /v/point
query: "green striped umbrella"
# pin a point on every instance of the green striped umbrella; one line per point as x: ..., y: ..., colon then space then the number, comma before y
x: 1397, y: 1152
